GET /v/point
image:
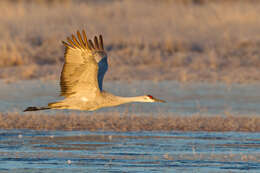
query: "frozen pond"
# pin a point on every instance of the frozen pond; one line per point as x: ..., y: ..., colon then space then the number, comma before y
x: 83, y: 151
x: 181, y: 99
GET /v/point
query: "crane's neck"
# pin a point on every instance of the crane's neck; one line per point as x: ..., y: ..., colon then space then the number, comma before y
x: 132, y: 99
x: 112, y: 100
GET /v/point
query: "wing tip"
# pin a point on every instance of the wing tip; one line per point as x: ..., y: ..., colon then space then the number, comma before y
x: 81, y: 42
x: 65, y: 44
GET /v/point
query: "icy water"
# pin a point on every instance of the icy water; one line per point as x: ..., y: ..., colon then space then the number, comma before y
x: 82, y: 151
x: 181, y: 99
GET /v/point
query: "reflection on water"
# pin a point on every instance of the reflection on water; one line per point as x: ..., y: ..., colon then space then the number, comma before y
x: 84, y: 151
x: 181, y: 99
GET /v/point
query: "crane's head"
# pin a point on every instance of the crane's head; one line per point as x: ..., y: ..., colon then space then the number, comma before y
x: 150, y: 98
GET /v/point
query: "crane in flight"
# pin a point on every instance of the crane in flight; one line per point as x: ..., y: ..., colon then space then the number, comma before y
x: 82, y: 78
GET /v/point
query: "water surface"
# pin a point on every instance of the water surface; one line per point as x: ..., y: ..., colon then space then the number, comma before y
x: 84, y: 151
x: 181, y: 99
x: 104, y: 151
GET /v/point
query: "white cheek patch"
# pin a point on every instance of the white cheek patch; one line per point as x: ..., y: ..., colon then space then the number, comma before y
x: 84, y: 99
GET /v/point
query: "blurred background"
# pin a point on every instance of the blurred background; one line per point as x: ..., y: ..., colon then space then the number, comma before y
x: 201, y: 56
x: 183, y: 40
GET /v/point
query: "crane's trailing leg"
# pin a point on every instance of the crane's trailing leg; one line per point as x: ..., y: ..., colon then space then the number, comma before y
x: 33, y: 108
x: 54, y: 105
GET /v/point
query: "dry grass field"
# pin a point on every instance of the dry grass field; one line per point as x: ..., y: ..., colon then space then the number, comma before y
x: 115, y: 121
x: 191, y: 40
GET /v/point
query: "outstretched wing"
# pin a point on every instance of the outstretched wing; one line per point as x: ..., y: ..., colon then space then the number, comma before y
x: 80, y: 70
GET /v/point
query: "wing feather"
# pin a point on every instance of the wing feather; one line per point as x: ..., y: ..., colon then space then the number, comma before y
x: 71, y: 42
x: 101, y: 42
x: 80, y: 40
x: 85, y: 39
x: 76, y: 41
x: 82, y: 71
x: 65, y: 44
x: 91, y: 44
x: 96, y: 42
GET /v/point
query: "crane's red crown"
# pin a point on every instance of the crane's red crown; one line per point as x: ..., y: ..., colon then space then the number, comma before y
x: 151, y: 97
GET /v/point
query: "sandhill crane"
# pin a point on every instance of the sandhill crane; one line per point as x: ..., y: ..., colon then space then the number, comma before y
x: 82, y: 78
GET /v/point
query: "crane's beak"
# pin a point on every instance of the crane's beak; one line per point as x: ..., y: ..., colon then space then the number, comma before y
x: 159, y: 100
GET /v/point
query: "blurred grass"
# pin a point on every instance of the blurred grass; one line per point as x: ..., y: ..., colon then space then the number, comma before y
x: 115, y: 121
x: 191, y: 40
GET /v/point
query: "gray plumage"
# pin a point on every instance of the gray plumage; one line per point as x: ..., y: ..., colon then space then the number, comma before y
x: 81, y: 80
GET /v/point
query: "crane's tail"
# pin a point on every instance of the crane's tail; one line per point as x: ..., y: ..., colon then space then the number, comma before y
x: 36, y: 108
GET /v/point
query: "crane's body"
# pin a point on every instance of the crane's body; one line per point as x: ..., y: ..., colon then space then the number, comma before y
x: 81, y: 80
x: 105, y: 99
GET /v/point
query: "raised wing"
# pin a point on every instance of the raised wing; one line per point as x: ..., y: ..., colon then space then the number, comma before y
x: 81, y: 68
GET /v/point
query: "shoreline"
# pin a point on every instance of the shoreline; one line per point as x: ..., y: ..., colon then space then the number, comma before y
x: 115, y: 121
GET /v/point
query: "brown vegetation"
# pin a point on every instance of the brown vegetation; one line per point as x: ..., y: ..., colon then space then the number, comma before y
x: 190, y: 41
x: 115, y: 121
